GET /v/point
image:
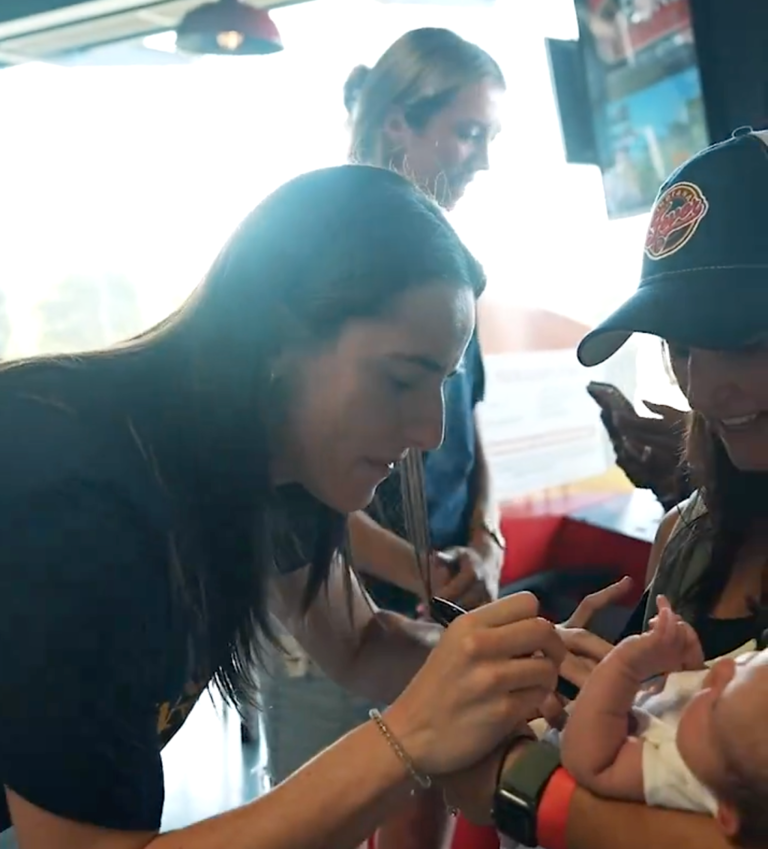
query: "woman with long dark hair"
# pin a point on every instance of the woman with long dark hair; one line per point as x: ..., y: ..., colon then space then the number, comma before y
x: 704, y: 289
x: 160, y: 499
x: 429, y: 109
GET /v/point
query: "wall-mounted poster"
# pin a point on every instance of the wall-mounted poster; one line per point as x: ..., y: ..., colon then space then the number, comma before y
x: 645, y: 92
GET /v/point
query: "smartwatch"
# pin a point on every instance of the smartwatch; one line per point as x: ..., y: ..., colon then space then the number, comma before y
x: 520, y: 790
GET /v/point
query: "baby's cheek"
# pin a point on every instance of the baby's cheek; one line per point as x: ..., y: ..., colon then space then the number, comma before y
x: 694, y: 741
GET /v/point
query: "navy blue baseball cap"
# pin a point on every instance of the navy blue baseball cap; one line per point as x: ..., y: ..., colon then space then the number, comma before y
x: 704, y: 280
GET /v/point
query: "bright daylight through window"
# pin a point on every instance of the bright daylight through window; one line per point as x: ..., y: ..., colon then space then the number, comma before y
x: 120, y: 183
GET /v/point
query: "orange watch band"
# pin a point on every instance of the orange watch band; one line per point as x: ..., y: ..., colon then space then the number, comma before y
x: 552, y: 814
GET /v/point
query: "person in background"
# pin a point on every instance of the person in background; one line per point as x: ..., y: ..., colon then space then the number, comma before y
x: 428, y: 109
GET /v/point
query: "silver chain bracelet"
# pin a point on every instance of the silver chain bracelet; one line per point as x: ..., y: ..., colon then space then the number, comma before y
x: 422, y: 780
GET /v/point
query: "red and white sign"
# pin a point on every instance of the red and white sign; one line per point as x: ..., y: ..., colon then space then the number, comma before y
x: 650, y: 21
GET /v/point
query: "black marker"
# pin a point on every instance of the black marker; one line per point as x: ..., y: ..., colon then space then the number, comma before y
x: 444, y: 612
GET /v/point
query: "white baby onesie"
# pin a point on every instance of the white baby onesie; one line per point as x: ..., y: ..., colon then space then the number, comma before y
x: 668, y: 783
x: 667, y: 780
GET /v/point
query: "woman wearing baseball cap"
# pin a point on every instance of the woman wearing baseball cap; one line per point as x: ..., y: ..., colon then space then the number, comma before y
x: 704, y: 291
x: 705, y: 259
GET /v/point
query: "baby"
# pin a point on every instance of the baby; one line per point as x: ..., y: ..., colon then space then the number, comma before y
x: 693, y: 740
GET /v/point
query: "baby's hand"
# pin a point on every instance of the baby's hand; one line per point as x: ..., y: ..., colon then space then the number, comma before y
x: 671, y: 645
x: 688, y: 644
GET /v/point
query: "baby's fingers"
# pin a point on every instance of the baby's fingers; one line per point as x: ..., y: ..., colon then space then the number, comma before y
x: 693, y: 654
x: 553, y: 710
x: 666, y: 627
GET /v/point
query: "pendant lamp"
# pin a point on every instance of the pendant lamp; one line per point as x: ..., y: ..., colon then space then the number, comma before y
x: 228, y: 28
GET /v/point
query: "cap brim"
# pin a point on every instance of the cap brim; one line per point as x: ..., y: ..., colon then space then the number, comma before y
x: 713, y: 308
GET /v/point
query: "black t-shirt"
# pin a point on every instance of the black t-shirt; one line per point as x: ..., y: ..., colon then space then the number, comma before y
x: 98, y: 670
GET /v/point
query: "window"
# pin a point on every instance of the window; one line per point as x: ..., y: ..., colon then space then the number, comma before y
x: 121, y: 183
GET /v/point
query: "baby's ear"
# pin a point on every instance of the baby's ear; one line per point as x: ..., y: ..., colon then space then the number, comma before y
x: 727, y: 818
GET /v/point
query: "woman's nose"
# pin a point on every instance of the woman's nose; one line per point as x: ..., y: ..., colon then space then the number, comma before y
x: 481, y: 159
x: 426, y: 426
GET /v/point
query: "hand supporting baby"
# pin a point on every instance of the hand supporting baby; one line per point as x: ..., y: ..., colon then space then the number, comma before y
x: 598, y: 746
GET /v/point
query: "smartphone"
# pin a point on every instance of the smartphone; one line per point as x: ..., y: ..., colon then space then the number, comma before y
x: 610, y: 398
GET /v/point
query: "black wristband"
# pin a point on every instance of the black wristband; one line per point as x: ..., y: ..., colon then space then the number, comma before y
x: 512, y: 743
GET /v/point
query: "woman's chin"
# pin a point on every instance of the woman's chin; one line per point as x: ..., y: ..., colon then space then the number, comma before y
x: 351, y: 491
x: 745, y: 458
x: 363, y: 495
x: 347, y: 498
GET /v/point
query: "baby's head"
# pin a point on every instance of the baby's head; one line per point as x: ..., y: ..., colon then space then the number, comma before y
x: 723, y: 738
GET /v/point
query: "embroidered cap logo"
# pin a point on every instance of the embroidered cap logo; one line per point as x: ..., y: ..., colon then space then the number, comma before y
x: 674, y: 220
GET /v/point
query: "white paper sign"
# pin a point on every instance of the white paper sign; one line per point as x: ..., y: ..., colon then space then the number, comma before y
x: 541, y: 429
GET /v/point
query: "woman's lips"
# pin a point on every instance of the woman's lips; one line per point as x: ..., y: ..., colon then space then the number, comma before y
x: 739, y: 423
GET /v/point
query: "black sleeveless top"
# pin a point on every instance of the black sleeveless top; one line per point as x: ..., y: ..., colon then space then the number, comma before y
x: 718, y: 636
x: 685, y: 557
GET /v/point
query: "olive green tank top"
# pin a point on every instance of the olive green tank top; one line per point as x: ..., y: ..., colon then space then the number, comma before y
x: 685, y: 557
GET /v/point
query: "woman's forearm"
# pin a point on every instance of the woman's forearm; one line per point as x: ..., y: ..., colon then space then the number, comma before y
x: 595, y: 823
x: 336, y: 801
x: 485, y: 510
x: 392, y: 651
x: 371, y: 652
x: 485, y: 524
x: 382, y: 554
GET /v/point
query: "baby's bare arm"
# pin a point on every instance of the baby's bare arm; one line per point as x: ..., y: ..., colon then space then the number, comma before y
x: 597, y: 748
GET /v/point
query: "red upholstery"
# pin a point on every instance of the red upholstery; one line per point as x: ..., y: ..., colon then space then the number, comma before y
x: 531, y: 542
x: 537, y: 543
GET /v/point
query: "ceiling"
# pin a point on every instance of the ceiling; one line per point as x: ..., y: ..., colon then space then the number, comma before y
x: 35, y: 30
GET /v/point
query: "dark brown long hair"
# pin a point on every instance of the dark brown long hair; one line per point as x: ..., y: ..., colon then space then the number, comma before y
x: 734, y: 500
x: 744, y: 786
x: 328, y: 247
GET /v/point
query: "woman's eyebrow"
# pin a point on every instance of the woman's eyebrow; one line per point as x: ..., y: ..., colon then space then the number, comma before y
x: 423, y: 362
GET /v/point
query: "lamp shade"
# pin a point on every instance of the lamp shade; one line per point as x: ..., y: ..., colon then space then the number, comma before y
x: 229, y: 28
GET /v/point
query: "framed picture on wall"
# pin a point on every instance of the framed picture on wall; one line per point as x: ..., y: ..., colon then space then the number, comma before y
x: 645, y: 95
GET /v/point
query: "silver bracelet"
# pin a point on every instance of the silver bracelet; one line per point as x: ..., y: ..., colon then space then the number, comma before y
x: 422, y: 780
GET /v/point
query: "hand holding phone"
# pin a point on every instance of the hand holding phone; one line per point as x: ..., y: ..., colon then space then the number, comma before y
x: 613, y: 403
x: 610, y: 398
